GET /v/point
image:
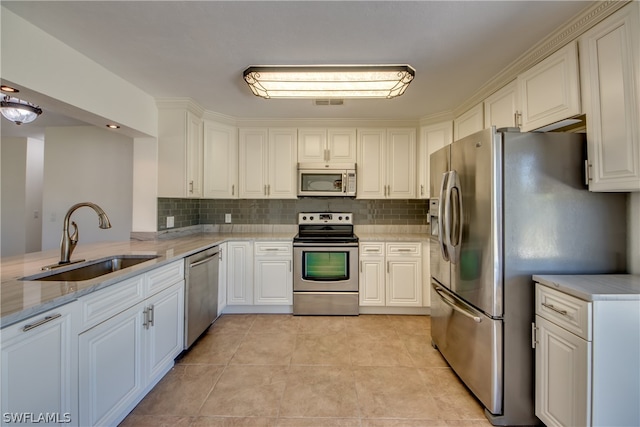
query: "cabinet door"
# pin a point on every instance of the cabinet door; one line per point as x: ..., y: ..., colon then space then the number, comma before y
x: 404, y: 282
x: 110, y: 368
x: 501, y: 108
x: 401, y: 163
x: 432, y: 138
x: 550, y: 90
x: 254, y: 156
x: 164, y: 335
x: 194, y: 155
x: 341, y: 145
x: 371, y: 165
x: 312, y: 145
x: 372, y: 281
x: 222, y: 279
x: 39, y: 374
x: 610, y: 73
x: 563, y: 380
x: 283, y: 149
x: 220, y: 161
x: 239, y: 273
x: 470, y: 122
x: 273, y: 281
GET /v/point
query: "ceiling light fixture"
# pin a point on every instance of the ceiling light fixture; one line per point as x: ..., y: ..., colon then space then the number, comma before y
x: 19, y: 111
x: 113, y: 126
x: 8, y: 89
x: 329, y: 81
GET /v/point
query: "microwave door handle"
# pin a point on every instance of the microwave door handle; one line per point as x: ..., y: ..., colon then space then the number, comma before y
x: 344, y: 182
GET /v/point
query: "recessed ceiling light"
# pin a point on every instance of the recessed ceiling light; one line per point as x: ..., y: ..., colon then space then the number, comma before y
x: 8, y: 89
x: 112, y: 126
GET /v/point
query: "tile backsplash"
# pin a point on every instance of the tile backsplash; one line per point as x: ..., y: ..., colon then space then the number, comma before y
x: 190, y: 212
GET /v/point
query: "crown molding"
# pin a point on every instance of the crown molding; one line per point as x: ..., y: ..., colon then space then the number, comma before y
x: 587, y: 19
x: 180, y: 103
x: 437, y: 118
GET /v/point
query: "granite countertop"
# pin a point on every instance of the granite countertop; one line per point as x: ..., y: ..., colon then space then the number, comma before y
x: 23, y: 299
x: 595, y: 287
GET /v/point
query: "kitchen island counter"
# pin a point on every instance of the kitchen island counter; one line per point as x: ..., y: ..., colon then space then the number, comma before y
x: 21, y: 299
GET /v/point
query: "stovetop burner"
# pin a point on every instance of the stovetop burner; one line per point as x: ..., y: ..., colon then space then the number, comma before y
x: 325, y: 227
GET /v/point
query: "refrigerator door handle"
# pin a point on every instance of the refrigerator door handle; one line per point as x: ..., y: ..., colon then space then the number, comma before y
x: 453, y: 217
x: 441, y: 217
x: 454, y: 305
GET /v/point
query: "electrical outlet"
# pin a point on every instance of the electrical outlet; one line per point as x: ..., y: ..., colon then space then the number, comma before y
x: 170, y: 222
x: 227, y: 218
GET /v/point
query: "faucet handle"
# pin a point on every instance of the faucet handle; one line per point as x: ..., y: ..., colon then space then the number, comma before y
x: 74, y: 236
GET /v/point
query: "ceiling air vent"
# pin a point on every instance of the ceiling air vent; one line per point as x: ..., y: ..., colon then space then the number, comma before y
x: 332, y: 101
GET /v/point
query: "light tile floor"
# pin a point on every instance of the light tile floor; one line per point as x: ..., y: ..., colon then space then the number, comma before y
x: 291, y: 371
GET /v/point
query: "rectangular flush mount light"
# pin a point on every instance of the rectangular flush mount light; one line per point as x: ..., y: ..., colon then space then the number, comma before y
x: 329, y: 81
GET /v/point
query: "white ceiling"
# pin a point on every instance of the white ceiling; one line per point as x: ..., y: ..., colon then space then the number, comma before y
x: 198, y: 49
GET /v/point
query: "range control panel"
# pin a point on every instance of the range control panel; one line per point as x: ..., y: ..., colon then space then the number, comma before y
x: 325, y: 218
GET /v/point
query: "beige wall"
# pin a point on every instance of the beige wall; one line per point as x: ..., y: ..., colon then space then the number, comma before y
x: 87, y: 164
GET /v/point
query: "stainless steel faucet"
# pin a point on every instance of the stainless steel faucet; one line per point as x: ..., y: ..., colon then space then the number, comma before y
x: 69, y: 242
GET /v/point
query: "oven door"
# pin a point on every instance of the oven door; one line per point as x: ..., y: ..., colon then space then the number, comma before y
x: 325, y: 267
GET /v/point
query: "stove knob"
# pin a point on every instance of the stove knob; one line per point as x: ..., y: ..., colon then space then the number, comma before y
x: 311, y: 218
x: 347, y: 218
x: 340, y: 218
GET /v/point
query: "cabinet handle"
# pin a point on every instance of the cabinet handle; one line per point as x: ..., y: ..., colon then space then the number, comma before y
x: 387, y: 267
x: 40, y: 322
x: 145, y: 313
x: 371, y: 250
x: 534, y: 338
x: 403, y: 250
x: 587, y: 174
x: 233, y: 189
x: 360, y: 266
x: 517, y: 118
x: 265, y: 189
x: 151, y: 315
x: 191, y: 187
x: 421, y: 189
x: 557, y: 310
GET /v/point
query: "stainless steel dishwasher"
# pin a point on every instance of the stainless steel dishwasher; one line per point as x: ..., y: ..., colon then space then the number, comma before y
x: 201, y: 293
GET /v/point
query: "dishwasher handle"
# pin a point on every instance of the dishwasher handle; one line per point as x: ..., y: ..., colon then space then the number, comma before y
x: 203, y: 261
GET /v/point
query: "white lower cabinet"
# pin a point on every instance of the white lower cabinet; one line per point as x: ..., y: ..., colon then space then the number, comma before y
x: 273, y: 275
x: 586, y: 360
x: 39, y: 376
x: 124, y: 356
x: 240, y: 273
x: 391, y: 274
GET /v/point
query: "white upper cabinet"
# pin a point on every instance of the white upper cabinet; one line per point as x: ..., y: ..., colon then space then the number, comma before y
x: 610, y: 72
x: 550, y: 90
x: 432, y: 138
x: 470, y: 122
x: 386, y: 163
x: 179, y: 153
x: 268, y: 163
x: 220, y: 161
x: 334, y: 145
x: 501, y: 108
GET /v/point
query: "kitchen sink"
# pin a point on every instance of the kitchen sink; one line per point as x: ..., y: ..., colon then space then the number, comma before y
x: 91, y: 269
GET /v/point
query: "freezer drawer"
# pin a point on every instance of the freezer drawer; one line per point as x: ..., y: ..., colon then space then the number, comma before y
x: 471, y: 343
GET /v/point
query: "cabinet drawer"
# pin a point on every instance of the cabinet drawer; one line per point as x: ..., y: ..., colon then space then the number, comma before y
x: 279, y: 248
x: 371, y: 249
x: 100, y: 305
x: 566, y: 311
x: 163, y: 277
x: 413, y: 249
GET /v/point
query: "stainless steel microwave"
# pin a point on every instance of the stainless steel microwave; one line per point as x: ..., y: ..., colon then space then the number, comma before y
x: 327, y: 180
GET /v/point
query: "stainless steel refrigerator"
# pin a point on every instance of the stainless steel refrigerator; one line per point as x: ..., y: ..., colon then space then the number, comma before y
x: 510, y: 205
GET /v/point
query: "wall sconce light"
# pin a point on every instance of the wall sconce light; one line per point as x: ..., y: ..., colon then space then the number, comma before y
x: 19, y: 111
x: 329, y: 81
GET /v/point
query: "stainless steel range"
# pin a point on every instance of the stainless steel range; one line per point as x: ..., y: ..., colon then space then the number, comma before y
x: 325, y: 265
